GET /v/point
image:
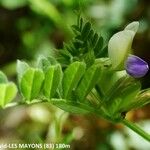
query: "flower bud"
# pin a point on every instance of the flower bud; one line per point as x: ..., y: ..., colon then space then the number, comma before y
x: 119, y: 45
x: 136, y: 67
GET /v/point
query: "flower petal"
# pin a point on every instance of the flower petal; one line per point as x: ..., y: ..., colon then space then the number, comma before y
x: 119, y: 45
x: 132, y: 26
x: 136, y: 67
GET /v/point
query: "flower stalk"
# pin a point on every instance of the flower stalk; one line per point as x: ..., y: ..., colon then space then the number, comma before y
x: 136, y: 129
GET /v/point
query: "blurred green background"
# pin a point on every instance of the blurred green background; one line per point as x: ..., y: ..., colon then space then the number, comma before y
x: 29, y: 28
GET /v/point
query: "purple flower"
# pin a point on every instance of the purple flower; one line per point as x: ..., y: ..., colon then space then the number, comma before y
x: 136, y: 67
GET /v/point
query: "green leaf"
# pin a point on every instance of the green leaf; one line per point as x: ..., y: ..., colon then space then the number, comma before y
x: 91, y: 34
x: 128, y: 95
x: 8, y: 92
x: 53, y: 77
x: 72, y: 76
x: 142, y: 99
x: 3, y: 78
x: 84, y: 45
x: 52, y: 60
x: 120, y: 84
x: 103, y: 52
x: 76, y: 29
x: 124, y: 98
x: 98, y: 46
x: 108, y: 78
x: 95, y: 39
x: 43, y: 63
x: 72, y: 107
x: 31, y: 82
x: 113, y: 109
x: 65, y: 53
x: 88, y: 81
x: 86, y: 30
x: 80, y: 23
x: 89, y: 58
x: 21, y: 68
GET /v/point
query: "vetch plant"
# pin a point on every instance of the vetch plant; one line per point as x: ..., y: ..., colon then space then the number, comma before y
x: 86, y: 77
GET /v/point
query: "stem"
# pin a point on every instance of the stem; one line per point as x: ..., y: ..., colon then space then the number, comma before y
x: 35, y: 101
x: 136, y: 129
x: 127, y: 123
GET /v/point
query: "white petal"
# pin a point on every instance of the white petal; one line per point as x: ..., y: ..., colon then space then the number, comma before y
x: 132, y: 26
x: 118, y: 48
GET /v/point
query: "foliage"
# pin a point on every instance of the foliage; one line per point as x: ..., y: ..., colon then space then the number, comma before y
x: 74, y: 80
x: 73, y: 88
x: 86, y: 45
x: 8, y: 90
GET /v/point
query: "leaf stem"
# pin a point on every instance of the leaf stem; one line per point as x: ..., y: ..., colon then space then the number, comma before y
x: 13, y: 104
x: 136, y: 129
x: 127, y: 123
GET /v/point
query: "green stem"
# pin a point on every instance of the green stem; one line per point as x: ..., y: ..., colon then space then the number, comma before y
x: 136, y: 129
x: 127, y: 123
x: 13, y: 104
